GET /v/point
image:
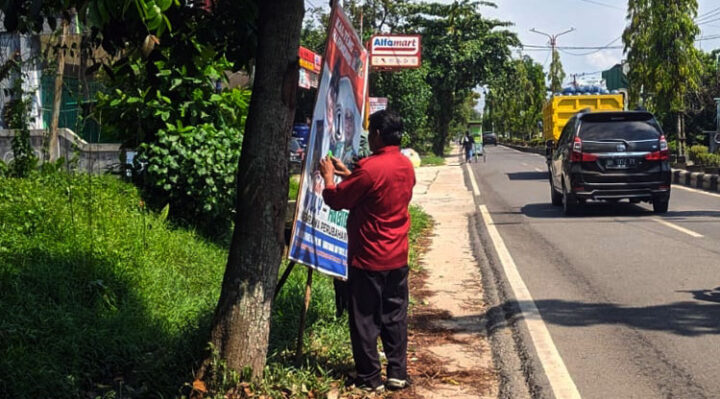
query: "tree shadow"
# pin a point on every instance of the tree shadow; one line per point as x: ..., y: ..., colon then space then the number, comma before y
x: 685, y: 318
x: 74, y: 325
x: 528, y: 175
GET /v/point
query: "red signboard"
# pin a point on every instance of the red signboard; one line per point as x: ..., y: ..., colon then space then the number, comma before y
x: 395, y: 51
x: 309, y: 60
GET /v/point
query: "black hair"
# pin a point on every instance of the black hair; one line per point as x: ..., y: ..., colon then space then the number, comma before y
x: 390, y: 126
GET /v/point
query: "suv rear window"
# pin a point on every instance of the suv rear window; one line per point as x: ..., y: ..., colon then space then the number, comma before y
x: 623, y: 130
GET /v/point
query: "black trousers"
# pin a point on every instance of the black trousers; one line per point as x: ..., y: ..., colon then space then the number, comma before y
x: 378, y: 307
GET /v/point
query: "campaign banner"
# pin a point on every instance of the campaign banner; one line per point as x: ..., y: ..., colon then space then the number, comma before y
x: 319, y: 238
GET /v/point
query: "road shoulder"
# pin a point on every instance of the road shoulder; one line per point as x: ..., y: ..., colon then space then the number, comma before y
x: 450, y: 355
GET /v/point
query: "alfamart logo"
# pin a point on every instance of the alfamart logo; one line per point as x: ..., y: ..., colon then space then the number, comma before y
x: 395, y: 51
x: 386, y: 43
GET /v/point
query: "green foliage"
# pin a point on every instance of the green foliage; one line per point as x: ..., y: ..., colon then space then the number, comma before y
x: 696, y: 151
x: 711, y: 160
x: 556, y: 74
x: 294, y: 187
x: 101, y: 295
x: 409, y: 95
x: 115, y: 23
x: 431, y: 160
x: 193, y: 168
x: 516, y: 97
x: 660, y: 45
x: 189, y: 134
x: 97, y: 291
x: 17, y: 115
x: 462, y: 49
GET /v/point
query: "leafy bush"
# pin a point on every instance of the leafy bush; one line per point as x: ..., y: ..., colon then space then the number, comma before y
x: 708, y: 159
x: 193, y: 168
x: 189, y: 134
x: 696, y: 151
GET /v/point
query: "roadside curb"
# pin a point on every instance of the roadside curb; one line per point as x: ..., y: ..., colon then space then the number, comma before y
x: 533, y: 150
x: 698, y: 180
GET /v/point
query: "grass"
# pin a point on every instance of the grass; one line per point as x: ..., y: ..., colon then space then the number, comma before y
x: 97, y: 291
x: 431, y: 160
x: 102, y: 298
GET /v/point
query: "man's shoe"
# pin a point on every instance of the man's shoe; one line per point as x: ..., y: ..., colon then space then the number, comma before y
x: 396, y: 384
x: 367, y: 388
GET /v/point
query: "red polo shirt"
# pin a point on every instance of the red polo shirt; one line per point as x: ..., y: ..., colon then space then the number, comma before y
x: 377, y: 193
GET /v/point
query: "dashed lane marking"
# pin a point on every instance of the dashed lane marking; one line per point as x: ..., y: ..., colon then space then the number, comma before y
x: 678, y: 228
x: 562, y: 384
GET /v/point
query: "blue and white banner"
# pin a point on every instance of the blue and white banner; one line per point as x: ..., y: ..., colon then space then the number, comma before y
x: 319, y: 238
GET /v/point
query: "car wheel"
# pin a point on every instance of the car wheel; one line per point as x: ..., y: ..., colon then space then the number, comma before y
x: 660, y: 205
x: 569, y: 203
x: 555, y: 196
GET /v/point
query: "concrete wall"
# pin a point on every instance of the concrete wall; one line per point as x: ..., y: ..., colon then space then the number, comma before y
x: 94, y: 158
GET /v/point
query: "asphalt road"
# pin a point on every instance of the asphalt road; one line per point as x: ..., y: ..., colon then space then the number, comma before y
x: 628, y: 297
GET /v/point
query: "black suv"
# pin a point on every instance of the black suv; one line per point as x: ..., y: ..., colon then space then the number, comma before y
x: 610, y: 156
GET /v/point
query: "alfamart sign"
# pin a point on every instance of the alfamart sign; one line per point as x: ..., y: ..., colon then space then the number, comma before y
x: 395, y: 51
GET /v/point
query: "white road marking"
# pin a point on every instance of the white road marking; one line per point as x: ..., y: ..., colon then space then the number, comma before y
x: 678, y: 228
x: 562, y: 384
x: 476, y: 190
x: 538, y: 170
x: 524, y: 164
x: 694, y: 190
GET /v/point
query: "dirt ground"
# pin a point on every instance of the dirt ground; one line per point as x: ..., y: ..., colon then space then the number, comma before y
x: 449, y: 355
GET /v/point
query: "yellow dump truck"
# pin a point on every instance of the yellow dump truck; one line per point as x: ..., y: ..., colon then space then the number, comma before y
x: 560, y: 108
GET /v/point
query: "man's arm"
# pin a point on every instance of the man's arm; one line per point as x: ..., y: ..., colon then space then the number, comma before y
x: 349, y: 192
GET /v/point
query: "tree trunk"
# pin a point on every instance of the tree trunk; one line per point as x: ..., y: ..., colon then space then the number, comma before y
x: 682, y: 150
x: 52, y: 146
x: 443, y: 123
x: 241, y: 323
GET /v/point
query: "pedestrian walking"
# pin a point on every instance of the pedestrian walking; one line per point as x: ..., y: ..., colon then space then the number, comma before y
x: 467, y: 145
x: 377, y: 193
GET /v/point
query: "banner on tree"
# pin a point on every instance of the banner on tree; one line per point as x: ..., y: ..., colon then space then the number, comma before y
x: 319, y: 238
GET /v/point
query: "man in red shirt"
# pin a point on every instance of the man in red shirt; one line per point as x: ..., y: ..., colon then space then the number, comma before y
x: 377, y: 193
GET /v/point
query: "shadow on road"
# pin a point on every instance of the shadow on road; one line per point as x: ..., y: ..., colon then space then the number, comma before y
x: 686, y: 318
x: 706, y: 295
x: 590, y: 209
x: 528, y: 176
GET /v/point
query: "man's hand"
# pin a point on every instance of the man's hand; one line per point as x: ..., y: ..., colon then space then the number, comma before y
x: 327, y: 170
x: 340, y: 168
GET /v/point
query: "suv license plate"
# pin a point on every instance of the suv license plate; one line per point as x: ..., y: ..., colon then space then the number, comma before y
x: 620, y: 163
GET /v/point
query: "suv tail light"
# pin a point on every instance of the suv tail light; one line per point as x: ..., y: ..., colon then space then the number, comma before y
x: 662, y: 155
x: 578, y: 155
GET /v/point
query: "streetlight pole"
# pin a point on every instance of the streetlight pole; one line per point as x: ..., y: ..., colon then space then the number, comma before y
x: 552, y: 38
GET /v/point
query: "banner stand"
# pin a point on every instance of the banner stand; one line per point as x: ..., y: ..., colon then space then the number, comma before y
x: 303, y: 314
x: 283, y: 278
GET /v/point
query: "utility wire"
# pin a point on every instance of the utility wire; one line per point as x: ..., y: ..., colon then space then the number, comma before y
x: 597, y: 3
x: 709, y: 12
x: 606, y: 47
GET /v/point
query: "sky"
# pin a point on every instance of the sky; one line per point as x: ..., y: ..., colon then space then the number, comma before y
x: 597, y: 23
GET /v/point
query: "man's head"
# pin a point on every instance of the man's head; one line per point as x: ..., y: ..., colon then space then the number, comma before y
x: 386, y: 128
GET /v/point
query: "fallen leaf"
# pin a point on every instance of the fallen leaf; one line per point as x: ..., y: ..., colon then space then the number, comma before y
x: 199, y: 385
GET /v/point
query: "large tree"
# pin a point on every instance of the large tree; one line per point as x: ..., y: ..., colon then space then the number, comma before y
x: 516, y: 97
x: 241, y: 323
x: 556, y: 74
x: 463, y: 49
x: 664, y: 63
